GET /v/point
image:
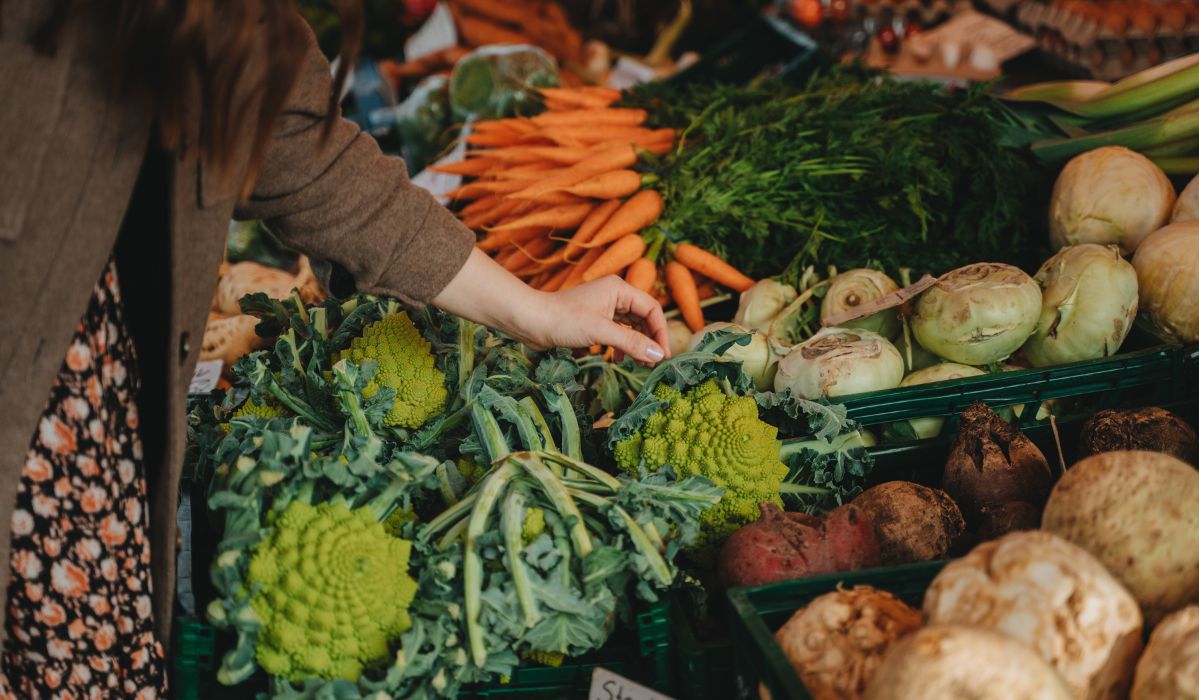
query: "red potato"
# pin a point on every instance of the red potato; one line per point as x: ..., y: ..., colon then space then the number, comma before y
x: 782, y: 546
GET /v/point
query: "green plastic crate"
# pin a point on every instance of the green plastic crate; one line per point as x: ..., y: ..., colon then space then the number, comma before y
x: 757, y: 612
x: 644, y: 655
x: 767, y: 47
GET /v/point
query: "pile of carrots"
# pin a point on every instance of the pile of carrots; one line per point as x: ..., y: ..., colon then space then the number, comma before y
x: 559, y: 202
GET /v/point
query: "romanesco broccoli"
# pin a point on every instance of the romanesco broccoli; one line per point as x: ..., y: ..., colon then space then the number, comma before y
x: 404, y: 362
x: 332, y: 589
x: 709, y: 434
x: 250, y: 408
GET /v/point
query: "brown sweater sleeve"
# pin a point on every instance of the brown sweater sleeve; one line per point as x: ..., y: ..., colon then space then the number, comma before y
x: 343, y: 200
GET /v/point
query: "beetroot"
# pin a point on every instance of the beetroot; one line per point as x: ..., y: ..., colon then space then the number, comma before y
x: 780, y: 546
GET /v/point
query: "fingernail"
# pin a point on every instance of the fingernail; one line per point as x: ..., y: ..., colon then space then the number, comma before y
x: 654, y: 353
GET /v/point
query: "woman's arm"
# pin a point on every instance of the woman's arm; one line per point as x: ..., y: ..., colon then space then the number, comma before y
x: 604, y: 312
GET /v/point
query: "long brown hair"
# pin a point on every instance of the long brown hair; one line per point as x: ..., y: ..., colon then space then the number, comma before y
x: 172, y: 51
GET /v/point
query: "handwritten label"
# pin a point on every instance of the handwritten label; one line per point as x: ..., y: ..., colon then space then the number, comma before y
x: 606, y: 685
x: 206, y: 376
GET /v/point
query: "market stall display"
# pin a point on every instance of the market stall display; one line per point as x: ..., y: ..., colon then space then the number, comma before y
x: 827, y: 435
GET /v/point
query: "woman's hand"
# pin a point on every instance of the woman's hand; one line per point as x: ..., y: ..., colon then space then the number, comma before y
x: 607, y: 311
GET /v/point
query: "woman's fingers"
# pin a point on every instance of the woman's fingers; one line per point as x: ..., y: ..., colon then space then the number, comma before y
x: 640, y: 310
x: 630, y: 342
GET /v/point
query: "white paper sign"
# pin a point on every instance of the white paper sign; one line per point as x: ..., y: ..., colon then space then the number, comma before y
x: 206, y: 376
x: 437, y: 33
x: 606, y: 685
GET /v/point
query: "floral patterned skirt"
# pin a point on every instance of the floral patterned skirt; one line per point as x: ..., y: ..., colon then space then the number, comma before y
x: 79, y: 613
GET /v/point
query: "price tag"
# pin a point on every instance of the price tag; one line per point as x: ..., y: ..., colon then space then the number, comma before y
x: 206, y: 376
x: 606, y: 685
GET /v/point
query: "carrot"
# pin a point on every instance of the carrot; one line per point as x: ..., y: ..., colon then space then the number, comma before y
x: 528, y: 253
x: 478, y: 205
x: 602, y: 91
x: 642, y: 274
x: 639, y: 211
x: 709, y: 265
x: 603, y: 160
x: 554, y: 283
x: 498, y: 138
x: 658, y: 148
x: 496, y: 241
x: 608, y: 135
x: 610, y: 116
x: 480, y: 32
x: 555, y: 199
x: 705, y: 290
x: 560, y: 217
x: 531, y: 154
x: 481, y: 188
x: 517, y: 124
x: 477, y: 166
x: 490, y: 216
x: 578, y: 98
x: 522, y: 171
x: 682, y: 288
x: 617, y: 257
x: 594, y: 221
x: 580, y: 268
x: 610, y: 185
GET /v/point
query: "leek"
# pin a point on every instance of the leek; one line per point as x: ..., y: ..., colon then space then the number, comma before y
x: 1174, y: 126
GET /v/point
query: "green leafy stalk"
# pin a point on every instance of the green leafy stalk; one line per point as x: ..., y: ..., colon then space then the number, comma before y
x: 472, y: 564
x: 511, y: 521
x: 556, y: 492
x: 641, y: 540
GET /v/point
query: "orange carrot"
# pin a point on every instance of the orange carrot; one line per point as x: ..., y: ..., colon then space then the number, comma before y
x: 576, y: 275
x: 492, y: 215
x: 554, y: 283
x: 596, y: 117
x: 617, y: 257
x: 555, y: 199
x: 639, y: 211
x: 478, y: 205
x: 517, y: 124
x: 578, y: 98
x: 588, y: 135
x: 682, y: 288
x: 531, y: 154
x: 610, y: 185
x: 642, y: 274
x: 658, y: 148
x: 496, y: 139
x: 601, y: 90
x: 603, y: 160
x: 529, y: 253
x: 518, y: 172
x: 477, y: 166
x: 560, y: 217
x: 496, y: 241
x: 705, y: 290
x: 709, y: 265
x: 592, y: 224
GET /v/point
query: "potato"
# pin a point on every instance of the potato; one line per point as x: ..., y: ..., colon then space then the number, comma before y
x: 1169, y: 668
x: 911, y: 522
x: 1138, y: 514
x: 949, y: 662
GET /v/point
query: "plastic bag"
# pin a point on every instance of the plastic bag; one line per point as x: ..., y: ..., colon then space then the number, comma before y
x: 423, y: 123
x: 499, y: 81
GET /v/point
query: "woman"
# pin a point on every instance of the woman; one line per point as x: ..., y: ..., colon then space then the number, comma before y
x: 131, y: 131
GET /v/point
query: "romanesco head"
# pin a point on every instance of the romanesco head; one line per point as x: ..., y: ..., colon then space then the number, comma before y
x: 533, y: 525
x: 258, y: 410
x: 708, y: 433
x: 332, y: 591
x: 404, y: 362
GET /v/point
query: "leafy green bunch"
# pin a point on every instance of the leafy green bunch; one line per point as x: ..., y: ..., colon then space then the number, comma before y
x: 853, y: 169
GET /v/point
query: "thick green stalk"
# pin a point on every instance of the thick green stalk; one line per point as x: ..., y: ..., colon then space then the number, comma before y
x: 585, y: 469
x: 466, y: 352
x: 472, y: 564
x: 511, y: 521
x: 448, y: 516
x: 1160, y: 130
x: 572, y: 443
x: 637, y: 536
x: 558, y: 495
x: 529, y: 406
x: 489, y: 432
